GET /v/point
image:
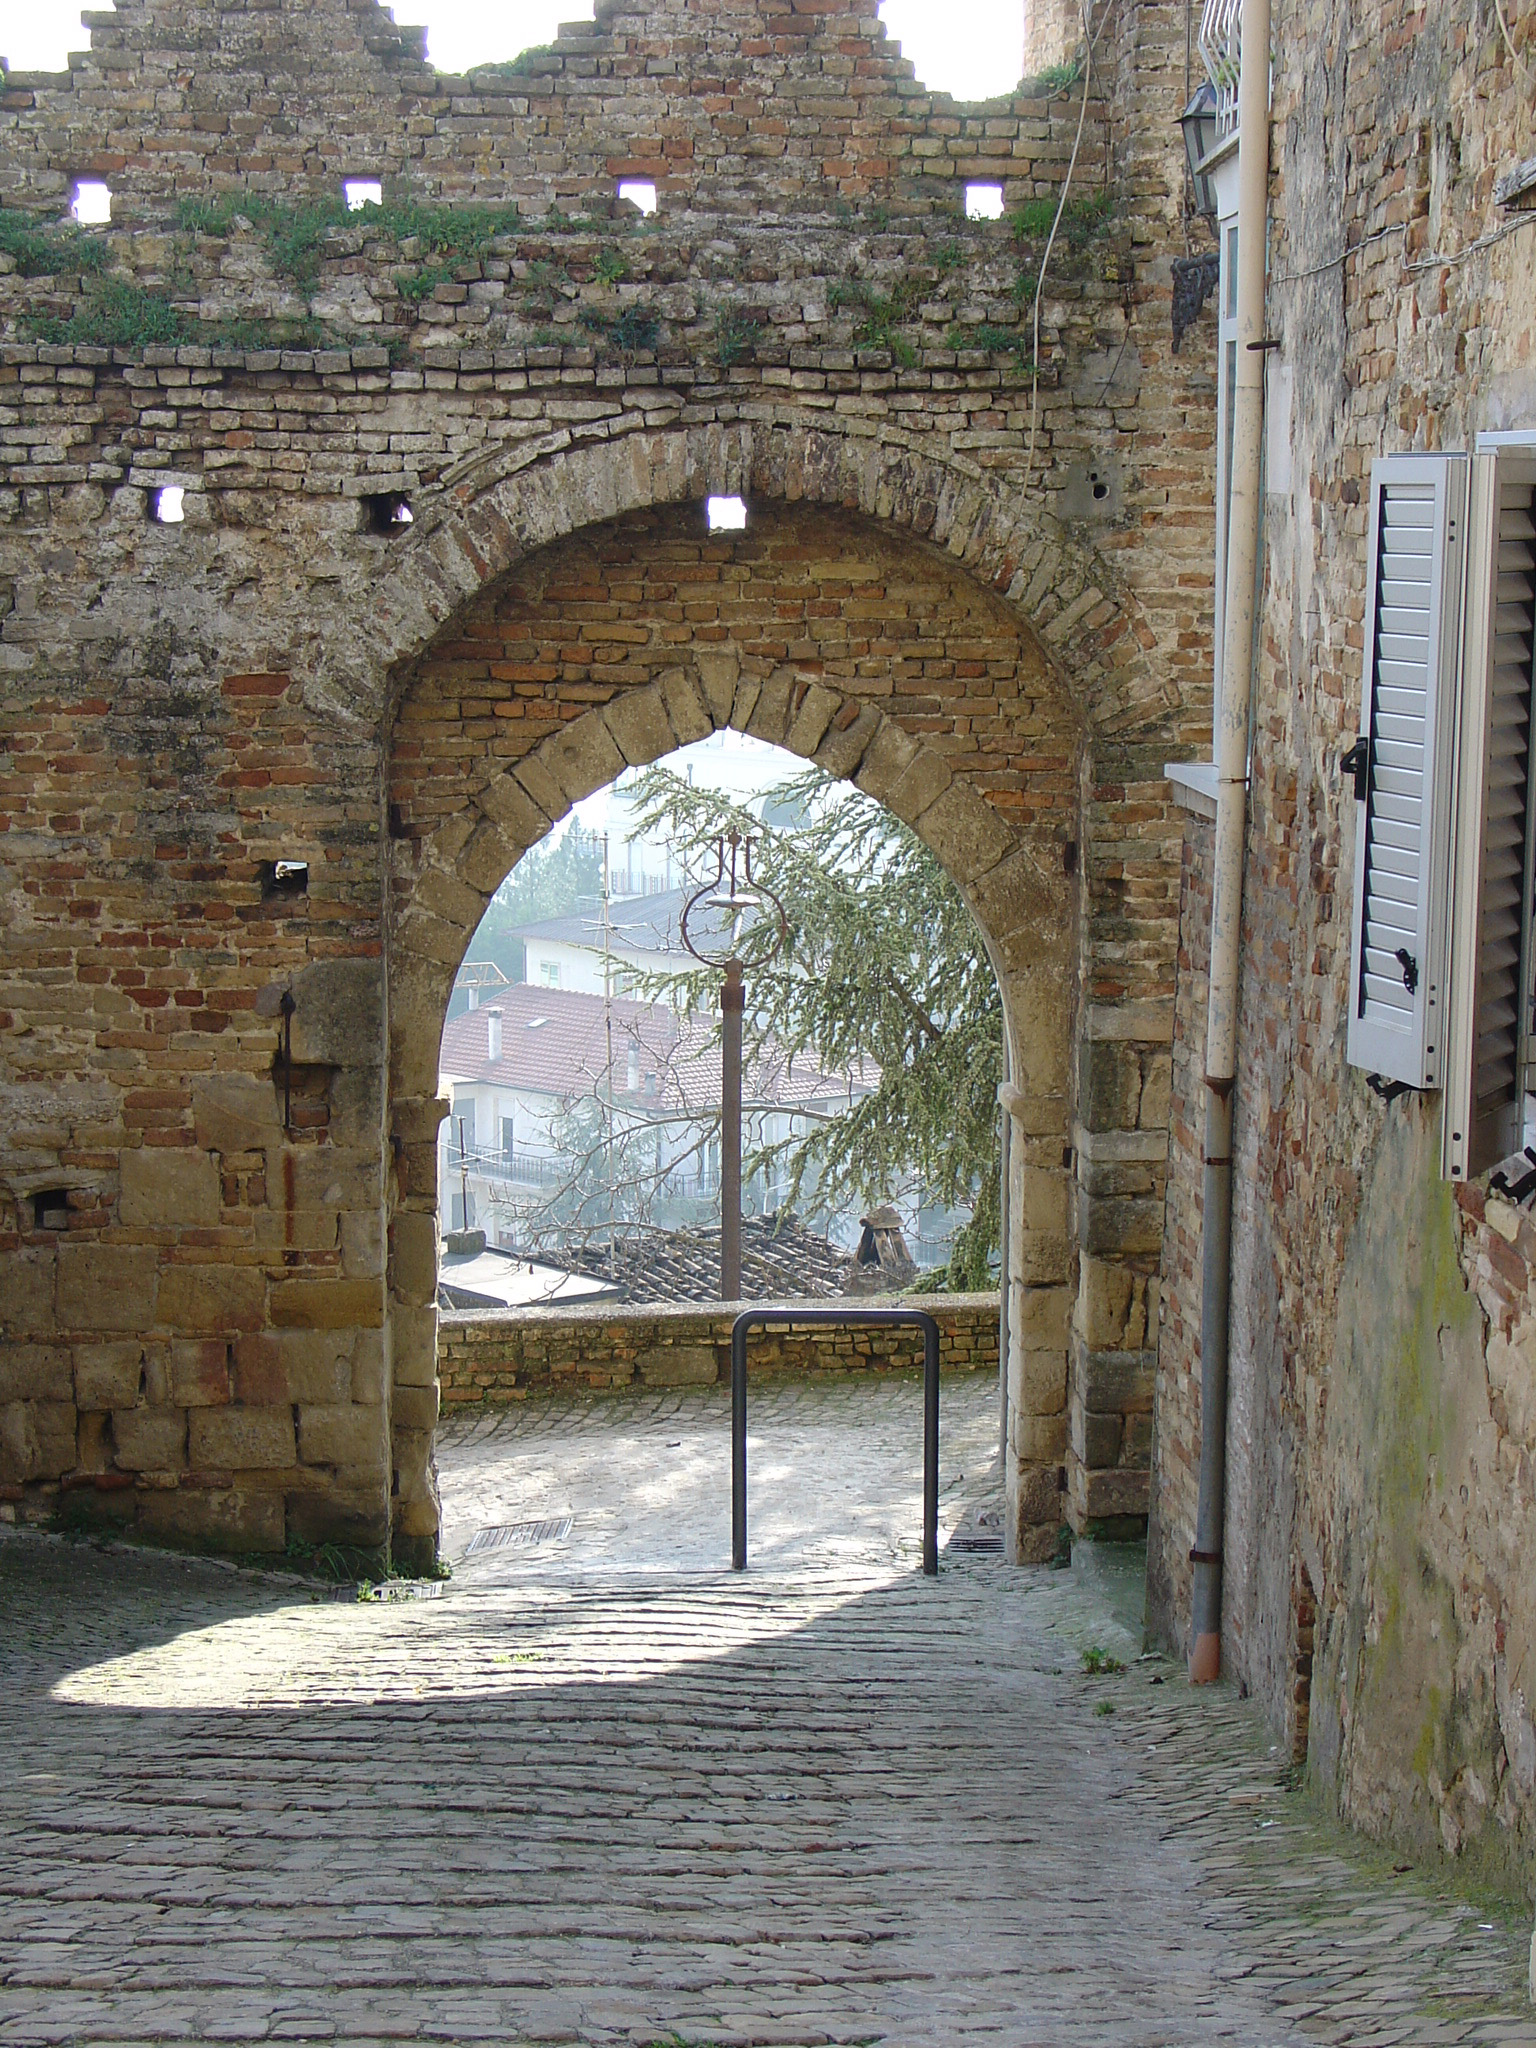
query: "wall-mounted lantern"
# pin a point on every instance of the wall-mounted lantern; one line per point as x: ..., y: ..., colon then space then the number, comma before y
x: 1199, y: 122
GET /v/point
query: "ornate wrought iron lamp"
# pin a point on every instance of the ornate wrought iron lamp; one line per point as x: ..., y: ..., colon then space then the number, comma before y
x: 741, y: 906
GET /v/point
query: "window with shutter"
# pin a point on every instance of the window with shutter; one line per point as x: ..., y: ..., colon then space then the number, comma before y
x: 1489, y: 1038
x: 1402, y: 768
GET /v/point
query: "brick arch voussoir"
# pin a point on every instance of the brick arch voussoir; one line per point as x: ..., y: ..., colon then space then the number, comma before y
x: 1021, y: 905
x: 507, y: 505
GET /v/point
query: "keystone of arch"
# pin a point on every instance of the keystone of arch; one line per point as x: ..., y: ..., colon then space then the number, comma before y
x: 500, y: 508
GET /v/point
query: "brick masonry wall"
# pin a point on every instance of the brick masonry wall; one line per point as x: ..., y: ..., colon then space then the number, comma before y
x: 232, y: 1338
x: 488, y: 1360
x: 1379, y: 1440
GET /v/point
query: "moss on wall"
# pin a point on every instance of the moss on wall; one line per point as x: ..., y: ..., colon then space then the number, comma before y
x: 1405, y: 1719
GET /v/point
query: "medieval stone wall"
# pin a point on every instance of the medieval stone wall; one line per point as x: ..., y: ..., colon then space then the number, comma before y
x: 487, y: 1360
x: 223, y: 1330
x: 1379, y: 1445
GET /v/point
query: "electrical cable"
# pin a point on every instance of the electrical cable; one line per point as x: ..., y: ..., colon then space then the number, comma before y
x: 1050, y: 242
x: 1440, y: 260
x: 1333, y: 262
x: 1515, y: 57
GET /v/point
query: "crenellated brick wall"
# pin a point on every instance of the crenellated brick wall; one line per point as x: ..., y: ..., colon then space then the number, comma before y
x: 751, y: 105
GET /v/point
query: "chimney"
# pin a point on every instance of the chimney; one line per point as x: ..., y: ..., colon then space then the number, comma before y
x: 493, y: 1035
x: 634, y: 1068
x: 474, y: 997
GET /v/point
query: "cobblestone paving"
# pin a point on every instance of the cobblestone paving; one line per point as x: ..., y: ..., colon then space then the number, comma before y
x: 599, y: 1793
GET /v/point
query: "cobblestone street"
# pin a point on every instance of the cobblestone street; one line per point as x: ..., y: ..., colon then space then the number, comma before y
x: 599, y: 1790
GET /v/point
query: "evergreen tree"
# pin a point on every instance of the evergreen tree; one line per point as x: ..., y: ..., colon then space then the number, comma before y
x: 883, y: 963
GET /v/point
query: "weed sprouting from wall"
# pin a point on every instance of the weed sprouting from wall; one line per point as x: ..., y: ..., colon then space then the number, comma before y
x: 295, y: 235
x: 1082, y: 220
x: 735, y: 334
x: 118, y: 314
x: 47, y: 248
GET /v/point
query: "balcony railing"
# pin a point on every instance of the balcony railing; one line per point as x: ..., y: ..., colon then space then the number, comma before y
x: 534, y: 1170
x: 1221, y: 50
x: 523, y: 1169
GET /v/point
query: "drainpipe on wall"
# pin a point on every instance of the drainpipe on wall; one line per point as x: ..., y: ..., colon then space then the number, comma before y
x: 1004, y: 1264
x: 1231, y: 751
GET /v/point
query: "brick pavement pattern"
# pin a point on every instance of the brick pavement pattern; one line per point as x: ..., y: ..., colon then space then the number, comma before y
x: 604, y: 1792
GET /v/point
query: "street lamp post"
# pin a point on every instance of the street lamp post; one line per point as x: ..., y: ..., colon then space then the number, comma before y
x: 740, y: 903
x: 733, y: 1001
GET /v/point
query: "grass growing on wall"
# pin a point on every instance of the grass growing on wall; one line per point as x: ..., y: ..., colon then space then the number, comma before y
x: 117, y: 314
x: 735, y: 334
x: 1081, y: 221
x: 295, y: 235
x: 44, y: 248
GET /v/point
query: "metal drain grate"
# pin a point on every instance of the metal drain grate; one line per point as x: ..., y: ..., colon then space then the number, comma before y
x: 503, y: 1534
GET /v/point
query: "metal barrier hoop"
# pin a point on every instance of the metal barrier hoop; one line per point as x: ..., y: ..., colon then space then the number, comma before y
x: 845, y: 1318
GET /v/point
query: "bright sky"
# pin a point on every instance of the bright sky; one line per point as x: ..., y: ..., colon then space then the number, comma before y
x: 971, y: 48
x: 728, y: 760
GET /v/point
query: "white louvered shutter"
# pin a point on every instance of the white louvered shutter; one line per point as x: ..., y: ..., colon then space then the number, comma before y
x: 1403, y: 790
x: 1489, y: 1040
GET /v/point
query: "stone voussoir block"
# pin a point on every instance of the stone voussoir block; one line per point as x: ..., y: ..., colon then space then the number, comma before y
x: 413, y: 1249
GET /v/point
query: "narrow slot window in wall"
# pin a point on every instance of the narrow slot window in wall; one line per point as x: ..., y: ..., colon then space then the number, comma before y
x: 726, y: 515
x: 389, y: 513
x: 639, y: 192
x: 983, y: 202
x: 92, y: 203
x: 285, y: 878
x: 168, y: 505
x: 361, y: 192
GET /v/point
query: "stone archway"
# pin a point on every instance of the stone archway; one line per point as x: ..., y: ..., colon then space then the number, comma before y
x: 493, y: 508
x: 597, y: 654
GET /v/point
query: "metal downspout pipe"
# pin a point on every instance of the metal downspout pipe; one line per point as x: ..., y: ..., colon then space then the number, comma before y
x: 1231, y: 755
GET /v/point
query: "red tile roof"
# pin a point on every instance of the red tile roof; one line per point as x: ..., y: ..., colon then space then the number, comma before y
x: 556, y: 1042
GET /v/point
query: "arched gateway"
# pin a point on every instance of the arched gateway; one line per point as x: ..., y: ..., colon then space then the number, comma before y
x: 848, y: 639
